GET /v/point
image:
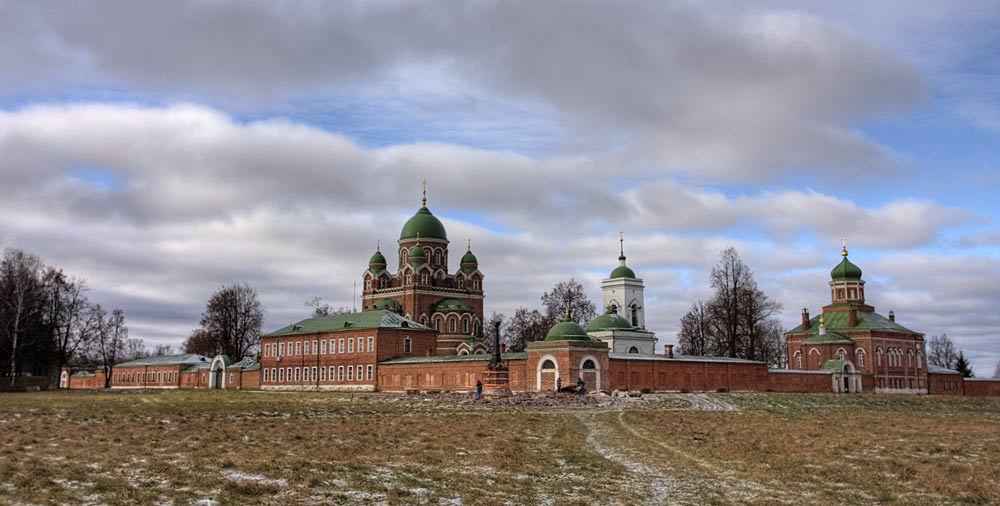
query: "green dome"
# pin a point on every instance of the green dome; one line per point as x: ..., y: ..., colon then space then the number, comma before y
x: 377, y: 259
x: 423, y: 224
x: 469, y: 258
x: 567, y: 331
x: 417, y: 252
x: 846, y: 271
x: 622, y: 272
x: 608, y: 321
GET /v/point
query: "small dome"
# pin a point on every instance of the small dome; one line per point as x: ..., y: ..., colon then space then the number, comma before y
x: 845, y: 270
x: 423, y: 224
x: 622, y: 272
x: 608, y: 321
x: 567, y: 331
x: 469, y: 258
x: 418, y: 253
x: 377, y: 259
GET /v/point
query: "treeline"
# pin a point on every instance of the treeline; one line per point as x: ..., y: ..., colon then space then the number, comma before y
x: 738, y: 321
x: 47, y: 322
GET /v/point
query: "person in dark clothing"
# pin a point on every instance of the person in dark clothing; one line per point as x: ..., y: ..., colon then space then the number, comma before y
x: 558, y: 384
x: 479, y: 389
x: 581, y: 387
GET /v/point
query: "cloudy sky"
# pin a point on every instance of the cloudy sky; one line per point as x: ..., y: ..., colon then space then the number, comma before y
x: 162, y: 149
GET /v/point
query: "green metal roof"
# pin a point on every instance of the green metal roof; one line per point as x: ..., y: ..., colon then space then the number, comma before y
x: 469, y: 258
x: 622, y: 272
x: 377, y: 259
x: 423, y: 224
x: 567, y: 331
x: 608, y: 321
x: 680, y: 358
x: 378, y: 318
x: 183, y: 359
x: 388, y: 304
x: 834, y: 365
x: 452, y: 305
x: 417, y: 251
x: 837, y: 321
x: 453, y: 358
x: 828, y: 338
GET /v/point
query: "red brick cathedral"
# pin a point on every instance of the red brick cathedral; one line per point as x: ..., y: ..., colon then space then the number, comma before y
x: 425, y: 290
x: 857, y: 344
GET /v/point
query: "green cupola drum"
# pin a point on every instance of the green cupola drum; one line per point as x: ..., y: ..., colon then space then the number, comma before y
x: 846, y: 285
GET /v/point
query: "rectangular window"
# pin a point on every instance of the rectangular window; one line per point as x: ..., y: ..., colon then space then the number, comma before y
x: 281, y: 349
x: 322, y: 347
x: 298, y: 374
x: 371, y: 344
x: 332, y: 373
x: 340, y: 346
x: 360, y: 371
x: 314, y: 374
x: 281, y: 375
x: 350, y: 373
x: 315, y: 346
x: 333, y: 346
x: 361, y: 345
x: 322, y: 373
x: 298, y: 347
x: 369, y: 373
x: 340, y: 373
x: 406, y: 345
x: 305, y: 348
x: 350, y: 346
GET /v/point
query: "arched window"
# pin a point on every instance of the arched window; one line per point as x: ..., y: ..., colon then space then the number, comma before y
x: 841, y: 354
x: 402, y: 257
x: 461, y: 283
x: 633, y: 350
x: 920, y: 361
x: 437, y: 258
x: 368, y: 284
x: 909, y: 358
x: 548, y: 364
x: 798, y: 359
x: 635, y: 315
x: 451, y: 325
x: 589, y: 364
x: 437, y: 324
x: 465, y: 326
x: 861, y: 357
x: 475, y: 328
x: 423, y: 320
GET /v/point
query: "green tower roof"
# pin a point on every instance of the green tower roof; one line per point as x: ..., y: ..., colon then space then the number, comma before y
x: 845, y: 270
x: 423, y: 224
x: 608, y: 321
x: 377, y: 259
x: 469, y: 258
x: 622, y: 272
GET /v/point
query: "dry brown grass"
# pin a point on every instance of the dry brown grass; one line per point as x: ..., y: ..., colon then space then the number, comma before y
x: 289, y: 448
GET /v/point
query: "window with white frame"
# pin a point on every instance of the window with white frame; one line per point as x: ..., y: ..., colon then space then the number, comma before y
x: 475, y: 284
x: 333, y: 373
x: 315, y: 374
x: 409, y: 279
x: 861, y: 357
x: 340, y: 373
x: 305, y: 348
x: 920, y: 361
x: 281, y: 349
x: 371, y: 344
x: 298, y: 374
x: 340, y: 345
x: 361, y: 345
x: 461, y: 283
x: 406, y: 345
x: 798, y: 360
x: 360, y: 371
x: 298, y: 347
x: 315, y: 346
x: 451, y: 325
x: 281, y: 375
x: 465, y: 326
x: 368, y: 284
x: 333, y: 346
x: 350, y: 346
x: 289, y: 376
x: 322, y: 373
x: 322, y: 347
x: 370, y: 373
x: 350, y: 373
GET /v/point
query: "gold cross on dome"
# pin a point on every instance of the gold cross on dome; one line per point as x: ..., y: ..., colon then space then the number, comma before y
x: 424, y: 201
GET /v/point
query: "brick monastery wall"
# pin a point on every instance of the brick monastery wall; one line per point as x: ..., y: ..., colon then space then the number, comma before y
x: 688, y: 376
x: 982, y: 387
x: 445, y: 376
x: 801, y: 381
x: 945, y: 384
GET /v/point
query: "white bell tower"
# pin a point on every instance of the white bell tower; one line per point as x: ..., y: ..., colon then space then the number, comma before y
x: 623, y: 292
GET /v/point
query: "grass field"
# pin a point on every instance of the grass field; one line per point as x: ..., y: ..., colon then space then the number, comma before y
x: 290, y: 448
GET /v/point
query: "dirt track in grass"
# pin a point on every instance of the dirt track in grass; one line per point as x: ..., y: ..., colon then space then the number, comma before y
x: 324, y: 448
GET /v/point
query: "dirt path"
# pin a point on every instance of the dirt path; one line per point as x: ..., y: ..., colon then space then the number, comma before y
x: 703, y: 402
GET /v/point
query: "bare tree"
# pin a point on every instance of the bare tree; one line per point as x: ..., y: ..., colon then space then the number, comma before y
x: 134, y: 349
x: 110, y: 336
x: 568, y: 296
x: 695, y: 336
x: 67, y: 306
x: 524, y: 327
x: 233, y: 319
x: 996, y: 372
x: 730, y: 278
x: 200, y: 342
x: 321, y: 309
x: 941, y: 352
x: 21, y: 287
x: 163, y: 350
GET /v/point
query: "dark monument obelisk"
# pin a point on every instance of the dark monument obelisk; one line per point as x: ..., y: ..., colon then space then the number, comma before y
x: 496, y: 378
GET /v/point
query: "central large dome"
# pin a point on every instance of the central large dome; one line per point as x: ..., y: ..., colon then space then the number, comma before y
x: 423, y: 225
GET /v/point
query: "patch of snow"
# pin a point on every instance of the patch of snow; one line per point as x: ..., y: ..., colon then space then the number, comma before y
x: 256, y: 478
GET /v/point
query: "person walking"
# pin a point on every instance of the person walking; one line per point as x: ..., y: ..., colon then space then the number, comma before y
x: 558, y: 384
x: 581, y: 387
x: 479, y: 389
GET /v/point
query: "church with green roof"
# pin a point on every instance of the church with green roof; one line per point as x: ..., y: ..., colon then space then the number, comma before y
x: 864, y: 350
x: 425, y: 289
